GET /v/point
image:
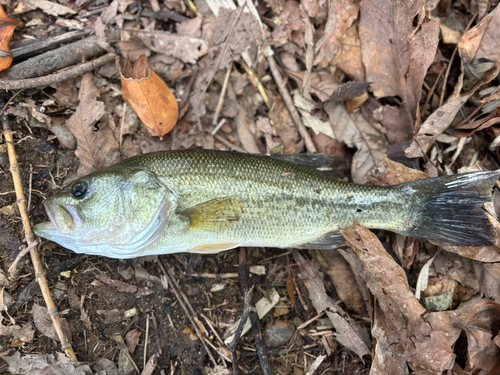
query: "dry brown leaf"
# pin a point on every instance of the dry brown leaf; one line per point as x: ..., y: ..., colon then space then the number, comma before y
x: 396, y: 173
x: 246, y: 36
x: 349, y: 59
x: 479, y: 51
x: 150, y: 366
x: 395, y: 53
x: 387, y: 282
x: 341, y: 15
x: 488, y: 275
x: 146, y: 93
x: 132, y: 339
x: 44, y: 324
x: 284, y: 126
x: 400, y: 326
x: 355, y: 131
x: 435, y: 124
x: 482, y: 40
x: 7, y: 27
x: 119, y: 285
x: 97, y: 147
x: 49, y: 7
x: 348, y: 332
x: 185, y: 48
x: 343, y: 279
x: 323, y: 84
x: 481, y: 329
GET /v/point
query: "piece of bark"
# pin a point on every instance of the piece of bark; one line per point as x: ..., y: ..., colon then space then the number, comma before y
x: 60, y: 58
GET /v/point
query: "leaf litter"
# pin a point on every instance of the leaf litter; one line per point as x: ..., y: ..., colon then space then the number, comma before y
x: 398, y: 91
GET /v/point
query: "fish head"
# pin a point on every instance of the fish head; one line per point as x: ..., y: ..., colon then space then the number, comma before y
x: 117, y: 214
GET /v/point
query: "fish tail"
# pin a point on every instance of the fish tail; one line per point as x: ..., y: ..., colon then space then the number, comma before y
x: 449, y: 208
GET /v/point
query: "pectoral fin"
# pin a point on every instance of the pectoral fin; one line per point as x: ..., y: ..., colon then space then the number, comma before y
x: 328, y: 241
x: 213, y: 248
x: 217, y: 215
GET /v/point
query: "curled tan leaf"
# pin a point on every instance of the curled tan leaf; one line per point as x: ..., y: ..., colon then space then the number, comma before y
x: 146, y: 93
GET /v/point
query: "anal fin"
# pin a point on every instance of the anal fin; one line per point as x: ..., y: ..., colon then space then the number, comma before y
x: 329, y: 241
x: 217, y: 215
x: 213, y: 248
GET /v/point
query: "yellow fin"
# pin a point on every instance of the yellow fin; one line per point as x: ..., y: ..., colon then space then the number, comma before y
x: 213, y: 248
x: 216, y: 215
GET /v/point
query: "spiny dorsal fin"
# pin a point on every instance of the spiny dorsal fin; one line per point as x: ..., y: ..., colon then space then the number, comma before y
x: 216, y: 215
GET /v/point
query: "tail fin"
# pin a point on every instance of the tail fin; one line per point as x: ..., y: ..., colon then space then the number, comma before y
x: 449, y: 208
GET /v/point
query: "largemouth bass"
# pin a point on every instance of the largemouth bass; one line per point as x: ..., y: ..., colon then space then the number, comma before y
x: 207, y: 201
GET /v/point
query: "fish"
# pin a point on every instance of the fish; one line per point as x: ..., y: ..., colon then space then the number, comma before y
x: 207, y: 201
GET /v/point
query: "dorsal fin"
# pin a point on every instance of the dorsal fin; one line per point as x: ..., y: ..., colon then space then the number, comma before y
x: 333, y: 167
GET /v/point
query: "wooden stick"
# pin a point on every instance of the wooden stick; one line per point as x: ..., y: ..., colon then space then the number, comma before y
x: 290, y: 106
x: 57, y: 77
x: 30, y: 238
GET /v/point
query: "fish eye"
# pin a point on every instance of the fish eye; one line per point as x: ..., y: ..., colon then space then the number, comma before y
x: 79, y: 190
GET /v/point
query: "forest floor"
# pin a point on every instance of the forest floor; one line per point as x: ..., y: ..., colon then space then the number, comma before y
x: 395, y: 91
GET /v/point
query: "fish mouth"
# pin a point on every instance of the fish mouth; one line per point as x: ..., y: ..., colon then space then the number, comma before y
x: 64, y: 219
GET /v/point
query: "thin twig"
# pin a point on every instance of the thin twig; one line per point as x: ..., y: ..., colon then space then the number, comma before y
x: 289, y: 104
x: 253, y: 316
x: 146, y: 339
x: 229, y: 144
x: 30, y: 238
x: 220, y: 103
x: 9, y: 101
x: 57, y: 77
x: 186, y: 310
x: 448, y: 69
x: 13, y: 266
x: 429, y: 95
x: 246, y: 312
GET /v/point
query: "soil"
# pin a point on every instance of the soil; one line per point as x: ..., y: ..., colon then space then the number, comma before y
x: 94, y: 336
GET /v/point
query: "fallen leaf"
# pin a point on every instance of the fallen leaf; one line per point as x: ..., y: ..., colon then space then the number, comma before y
x: 49, y: 7
x: 284, y: 126
x: 7, y: 27
x: 305, y: 107
x: 150, y: 366
x: 349, y: 59
x: 482, y: 40
x: 396, y: 173
x: 132, y: 339
x: 348, y: 332
x: 395, y: 53
x: 323, y: 84
x: 341, y: 15
x: 185, y: 48
x: 349, y: 90
x: 435, y: 124
x: 44, y: 364
x: 119, y: 285
x: 97, y: 148
x: 403, y: 333
x: 355, y: 131
x: 146, y: 93
x: 43, y: 323
x: 111, y: 316
x: 481, y: 328
x: 488, y: 275
x: 343, y: 279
